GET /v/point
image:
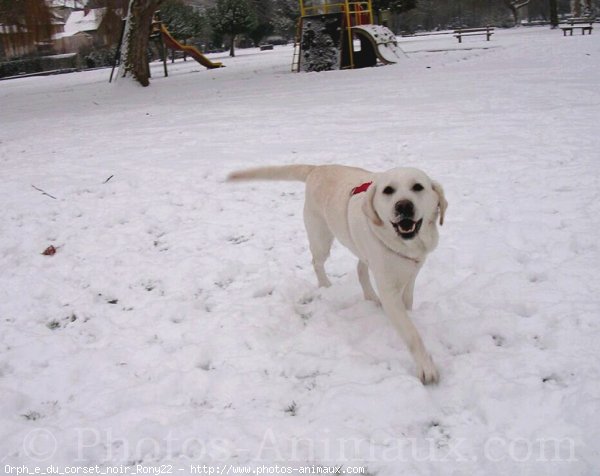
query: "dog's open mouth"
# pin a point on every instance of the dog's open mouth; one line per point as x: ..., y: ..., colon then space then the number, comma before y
x: 407, y: 228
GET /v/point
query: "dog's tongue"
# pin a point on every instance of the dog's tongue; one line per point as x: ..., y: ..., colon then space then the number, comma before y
x: 407, y: 225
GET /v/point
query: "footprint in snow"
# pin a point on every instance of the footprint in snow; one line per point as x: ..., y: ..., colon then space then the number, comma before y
x: 499, y: 340
x: 236, y: 240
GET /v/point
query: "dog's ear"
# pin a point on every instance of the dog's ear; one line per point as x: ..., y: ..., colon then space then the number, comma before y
x: 442, y: 202
x: 367, y: 206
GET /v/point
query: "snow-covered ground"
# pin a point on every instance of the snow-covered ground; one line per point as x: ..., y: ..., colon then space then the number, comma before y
x: 179, y: 321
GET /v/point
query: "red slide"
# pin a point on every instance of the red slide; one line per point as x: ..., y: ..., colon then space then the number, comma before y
x: 173, y: 44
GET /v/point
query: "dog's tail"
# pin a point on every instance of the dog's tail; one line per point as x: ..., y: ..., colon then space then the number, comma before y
x: 280, y: 172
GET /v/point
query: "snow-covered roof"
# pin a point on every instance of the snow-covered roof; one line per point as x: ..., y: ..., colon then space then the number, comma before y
x: 74, y: 4
x: 78, y: 21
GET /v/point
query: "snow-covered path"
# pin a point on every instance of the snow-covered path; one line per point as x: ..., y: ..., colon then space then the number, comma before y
x: 179, y: 321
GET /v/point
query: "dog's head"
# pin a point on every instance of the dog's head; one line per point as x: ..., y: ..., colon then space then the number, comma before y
x: 405, y: 202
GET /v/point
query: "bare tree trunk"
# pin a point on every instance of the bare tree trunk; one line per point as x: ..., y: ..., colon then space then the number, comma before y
x: 554, y: 13
x: 232, y: 48
x: 134, y: 51
x: 515, y: 13
x: 515, y: 6
x: 588, y: 8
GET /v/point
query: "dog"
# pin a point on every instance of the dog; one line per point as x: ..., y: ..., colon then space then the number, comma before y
x: 388, y: 220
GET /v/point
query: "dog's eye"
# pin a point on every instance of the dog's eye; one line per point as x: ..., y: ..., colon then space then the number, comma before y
x: 389, y: 190
x: 417, y: 187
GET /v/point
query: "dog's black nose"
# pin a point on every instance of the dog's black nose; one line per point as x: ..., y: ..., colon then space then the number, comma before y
x: 405, y: 208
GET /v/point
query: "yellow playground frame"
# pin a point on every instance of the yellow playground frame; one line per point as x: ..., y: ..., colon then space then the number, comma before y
x: 355, y: 13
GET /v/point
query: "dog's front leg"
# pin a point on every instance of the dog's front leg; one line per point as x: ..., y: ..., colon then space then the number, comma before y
x: 392, y: 300
x: 365, y: 282
x: 407, y: 294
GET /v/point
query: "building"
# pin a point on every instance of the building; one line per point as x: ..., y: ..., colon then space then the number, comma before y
x: 88, y: 28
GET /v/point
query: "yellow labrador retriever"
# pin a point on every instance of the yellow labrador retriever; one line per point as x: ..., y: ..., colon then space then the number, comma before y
x: 388, y: 220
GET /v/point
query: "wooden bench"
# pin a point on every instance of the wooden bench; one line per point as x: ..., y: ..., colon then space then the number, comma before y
x: 266, y: 46
x: 488, y: 31
x: 584, y: 24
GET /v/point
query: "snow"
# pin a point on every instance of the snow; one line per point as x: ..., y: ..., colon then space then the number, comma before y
x: 179, y: 321
x: 67, y: 3
x: 82, y: 21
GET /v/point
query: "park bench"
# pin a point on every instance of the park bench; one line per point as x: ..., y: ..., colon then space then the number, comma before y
x: 584, y: 24
x: 488, y: 31
x: 266, y: 46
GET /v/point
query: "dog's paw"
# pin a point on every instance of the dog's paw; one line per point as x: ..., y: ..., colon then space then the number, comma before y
x: 427, y: 372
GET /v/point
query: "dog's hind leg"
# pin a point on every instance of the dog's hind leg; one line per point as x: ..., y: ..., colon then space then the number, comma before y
x: 365, y: 282
x: 320, y: 240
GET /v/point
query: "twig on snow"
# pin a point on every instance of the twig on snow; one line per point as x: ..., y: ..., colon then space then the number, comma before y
x: 106, y: 181
x: 44, y: 192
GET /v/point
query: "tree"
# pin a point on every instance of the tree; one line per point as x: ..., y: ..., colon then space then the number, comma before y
x: 232, y: 17
x: 554, y: 13
x: 113, y: 5
x: 395, y: 6
x: 26, y: 21
x: 111, y: 23
x: 515, y: 6
x: 285, y: 17
x: 33, y: 15
x: 134, y: 49
x: 264, y: 14
x: 261, y: 30
x: 183, y: 21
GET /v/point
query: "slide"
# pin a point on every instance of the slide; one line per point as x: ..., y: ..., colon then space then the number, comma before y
x: 383, y: 41
x: 173, y: 44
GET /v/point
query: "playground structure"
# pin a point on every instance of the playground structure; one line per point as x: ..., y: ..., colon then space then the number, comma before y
x: 340, y: 34
x: 173, y: 44
x: 163, y: 40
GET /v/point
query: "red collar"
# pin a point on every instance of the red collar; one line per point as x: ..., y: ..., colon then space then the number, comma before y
x: 361, y: 188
